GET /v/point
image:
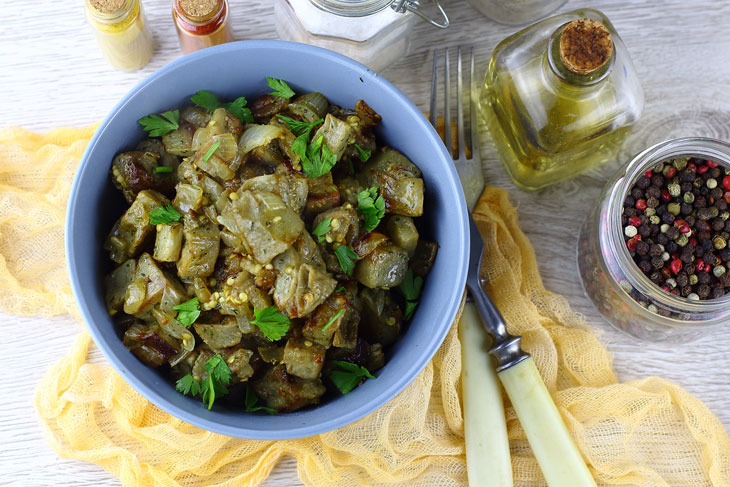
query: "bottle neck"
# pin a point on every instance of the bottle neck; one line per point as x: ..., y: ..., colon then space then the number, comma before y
x: 568, y: 75
x: 351, y: 8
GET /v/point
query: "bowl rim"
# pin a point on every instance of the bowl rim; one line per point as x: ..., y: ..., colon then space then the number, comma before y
x: 160, y: 398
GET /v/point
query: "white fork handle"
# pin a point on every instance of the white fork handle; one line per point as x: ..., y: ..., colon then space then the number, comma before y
x: 487, y: 447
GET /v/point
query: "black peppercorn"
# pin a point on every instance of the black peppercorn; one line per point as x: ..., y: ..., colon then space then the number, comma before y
x: 643, y: 182
x: 703, y: 278
x: 682, y: 279
x: 703, y: 290
x: 654, y: 192
x: 657, y: 263
x: 642, y: 248
x: 637, y: 193
x: 717, y: 292
x: 629, y: 201
x: 718, y: 224
x: 657, y: 180
x: 704, y: 214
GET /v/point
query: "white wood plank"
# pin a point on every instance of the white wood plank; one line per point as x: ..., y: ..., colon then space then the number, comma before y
x: 52, y: 74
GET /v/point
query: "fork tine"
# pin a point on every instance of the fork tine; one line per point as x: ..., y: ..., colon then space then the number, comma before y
x: 447, y: 104
x: 459, y: 107
x: 434, y: 87
x: 473, y: 111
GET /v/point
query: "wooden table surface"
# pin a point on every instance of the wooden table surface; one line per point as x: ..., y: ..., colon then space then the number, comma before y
x: 52, y: 74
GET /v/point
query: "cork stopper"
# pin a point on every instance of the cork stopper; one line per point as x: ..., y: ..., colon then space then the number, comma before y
x: 585, y: 46
x: 108, y: 6
x: 199, y: 8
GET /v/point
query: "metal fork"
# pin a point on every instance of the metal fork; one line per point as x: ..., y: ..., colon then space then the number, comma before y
x: 556, y: 453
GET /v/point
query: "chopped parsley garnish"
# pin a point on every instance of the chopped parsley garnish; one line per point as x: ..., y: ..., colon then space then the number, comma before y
x: 252, y: 399
x: 363, y: 153
x: 348, y: 375
x: 299, y: 127
x: 340, y: 289
x: 163, y: 169
x: 321, y: 229
x: 164, y: 214
x: 158, y: 125
x: 411, y: 289
x: 281, y: 89
x: 188, y: 312
x: 371, y: 206
x: 213, y: 386
x: 319, y: 158
x: 237, y: 107
x: 272, y: 322
x: 211, y: 151
x: 347, y: 258
x: 333, y: 319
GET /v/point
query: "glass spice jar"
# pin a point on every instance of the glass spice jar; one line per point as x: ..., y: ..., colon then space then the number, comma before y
x: 560, y: 97
x: 623, y: 294
x: 365, y: 30
x: 201, y: 23
x: 121, y: 31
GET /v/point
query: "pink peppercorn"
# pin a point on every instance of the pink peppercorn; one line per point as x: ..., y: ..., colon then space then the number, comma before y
x: 702, y: 169
x: 676, y: 266
x: 631, y: 244
x: 699, y: 265
x: 649, y: 173
x: 712, y: 164
x: 726, y: 182
x: 635, y: 221
x: 666, y: 197
x: 641, y: 205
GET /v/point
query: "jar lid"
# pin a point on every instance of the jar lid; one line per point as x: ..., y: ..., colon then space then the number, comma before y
x: 352, y: 8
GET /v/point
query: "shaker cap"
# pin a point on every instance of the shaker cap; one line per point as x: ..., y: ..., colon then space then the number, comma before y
x: 585, y: 46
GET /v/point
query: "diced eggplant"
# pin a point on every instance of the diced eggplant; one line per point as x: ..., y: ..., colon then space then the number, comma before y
x: 310, y: 106
x: 187, y: 197
x: 323, y: 194
x: 285, y: 392
x: 133, y: 172
x: 303, y: 358
x: 344, y: 225
x: 265, y: 107
x: 133, y: 230
x: 308, y: 250
x: 190, y: 174
x: 384, y: 267
x: 402, y: 232
x: 150, y: 344
x: 327, y: 326
x: 336, y: 134
x: 368, y: 243
x: 116, y: 285
x: 239, y: 362
x: 272, y: 354
x: 299, y: 287
x: 381, y: 318
x: 368, y: 117
x: 292, y: 188
x: 349, y: 188
x: 260, y: 223
x: 424, y: 257
x: 180, y: 141
x: 169, y: 324
x: 149, y: 286
x: 221, y: 335
x: 168, y: 242
x: 399, y: 181
x: 200, y: 251
x: 197, y: 116
x: 214, y: 163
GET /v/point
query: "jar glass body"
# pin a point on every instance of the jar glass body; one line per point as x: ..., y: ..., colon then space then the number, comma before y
x: 516, y: 12
x: 123, y: 36
x: 198, y: 33
x: 376, y: 39
x: 621, y: 292
x: 548, y: 126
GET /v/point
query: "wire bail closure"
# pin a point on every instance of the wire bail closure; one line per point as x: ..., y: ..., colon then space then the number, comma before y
x: 402, y: 6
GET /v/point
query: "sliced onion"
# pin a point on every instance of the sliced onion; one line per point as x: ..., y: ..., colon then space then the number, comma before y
x: 257, y: 136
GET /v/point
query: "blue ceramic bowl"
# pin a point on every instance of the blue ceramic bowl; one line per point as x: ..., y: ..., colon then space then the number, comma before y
x: 233, y: 70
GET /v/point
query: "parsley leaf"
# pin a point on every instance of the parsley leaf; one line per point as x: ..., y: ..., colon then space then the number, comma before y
x: 320, y: 159
x: 349, y: 376
x: 281, y: 89
x: 371, y: 206
x: 272, y: 322
x: 333, y: 319
x: 213, y: 386
x: 340, y: 289
x: 411, y: 289
x: 252, y: 399
x: 208, y: 100
x: 321, y: 229
x: 158, y: 125
x: 188, y: 311
x: 163, y: 169
x: 164, y: 214
x: 346, y: 257
x: 211, y: 151
x: 298, y: 127
x: 188, y: 385
x: 363, y: 153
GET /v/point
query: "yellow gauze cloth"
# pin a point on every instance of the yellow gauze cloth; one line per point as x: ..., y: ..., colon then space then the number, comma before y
x: 647, y: 432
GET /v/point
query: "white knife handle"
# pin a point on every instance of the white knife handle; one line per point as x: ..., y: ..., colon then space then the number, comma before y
x: 487, y: 446
x: 559, y: 458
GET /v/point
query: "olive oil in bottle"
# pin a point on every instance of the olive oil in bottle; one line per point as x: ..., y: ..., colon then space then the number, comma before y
x: 559, y: 97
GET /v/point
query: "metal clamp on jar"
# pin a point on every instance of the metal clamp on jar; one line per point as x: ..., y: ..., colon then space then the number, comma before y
x: 339, y: 25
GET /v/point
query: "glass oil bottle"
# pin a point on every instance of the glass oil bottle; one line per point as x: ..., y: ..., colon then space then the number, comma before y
x: 560, y: 97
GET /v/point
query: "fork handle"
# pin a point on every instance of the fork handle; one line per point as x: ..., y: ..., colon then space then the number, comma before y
x: 559, y: 458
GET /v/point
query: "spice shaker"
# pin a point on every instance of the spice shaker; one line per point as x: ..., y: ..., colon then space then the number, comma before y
x: 201, y: 23
x: 516, y: 12
x: 121, y: 31
x: 560, y: 97
x: 373, y: 32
